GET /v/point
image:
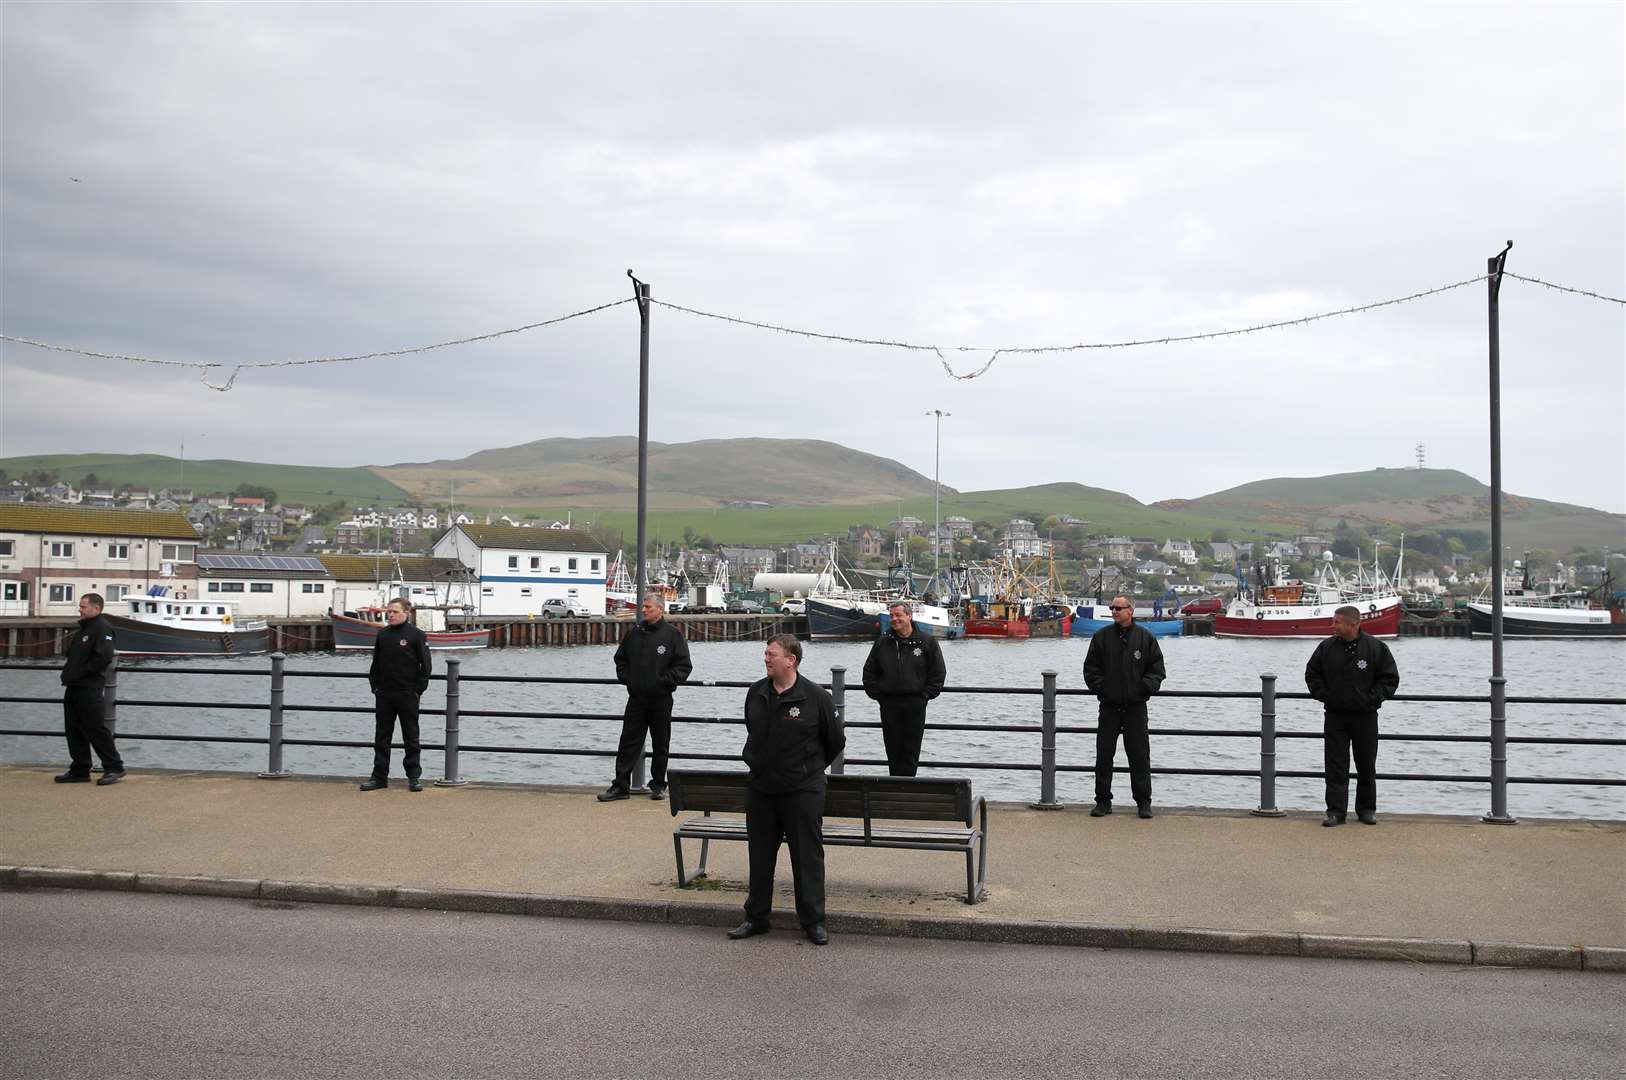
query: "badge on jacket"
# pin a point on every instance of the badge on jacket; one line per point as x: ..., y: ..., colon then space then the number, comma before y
x: 917, y: 650
x: 794, y: 711
x: 402, y: 643
x: 84, y: 638
x: 1361, y: 664
x: 660, y: 650
x: 1137, y: 654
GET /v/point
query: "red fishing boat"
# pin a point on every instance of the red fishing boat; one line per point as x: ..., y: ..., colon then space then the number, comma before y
x: 1288, y: 608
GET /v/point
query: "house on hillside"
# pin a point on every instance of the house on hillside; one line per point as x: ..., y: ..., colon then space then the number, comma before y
x: 1180, y: 549
x: 867, y: 541
x: 1119, y: 549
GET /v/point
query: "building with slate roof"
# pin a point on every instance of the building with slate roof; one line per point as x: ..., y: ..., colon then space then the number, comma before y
x: 52, y: 555
x: 271, y: 586
x: 516, y: 568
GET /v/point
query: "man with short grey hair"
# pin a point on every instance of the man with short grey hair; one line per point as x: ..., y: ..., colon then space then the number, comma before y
x: 651, y: 662
x: 1123, y: 668
x: 84, y: 672
x: 1351, y: 673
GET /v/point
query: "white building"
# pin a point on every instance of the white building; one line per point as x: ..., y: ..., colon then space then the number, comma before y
x: 268, y: 586
x: 1182, y: 550
x: 52, y: 555
x: 374, y: 580
x: 516, y: 569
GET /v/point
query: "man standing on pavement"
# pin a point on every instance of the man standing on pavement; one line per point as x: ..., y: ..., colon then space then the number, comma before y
x: 84, y: 719
x: 399, y: 675
x: 1124, y: 668
x: 651, y: 662
x: 1351, y: 673
x: 792, y: 734
x: 904, y: 671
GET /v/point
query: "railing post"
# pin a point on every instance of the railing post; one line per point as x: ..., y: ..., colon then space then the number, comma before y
x: 454, y: 673
x: 1498, y: 814
x: 1047, y: 749
x: 273, y: 767
x: 838, y: 693
x: 1267, y: 748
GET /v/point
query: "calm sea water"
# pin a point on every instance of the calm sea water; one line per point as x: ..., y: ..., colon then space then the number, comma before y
x: 1427, y: 665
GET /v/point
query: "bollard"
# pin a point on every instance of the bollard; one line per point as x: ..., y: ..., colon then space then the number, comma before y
x: 838, y: 694
x: 454, y: 672
x: 1498, y: 814
x: 1047, y: 749
x: 273, y: 768
x: 1267, y: 748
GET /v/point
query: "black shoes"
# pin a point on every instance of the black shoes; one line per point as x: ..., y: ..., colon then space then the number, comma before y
x: 1101, y: 809
x: 71, y: 778
x: 1368, y: 817
x: 612, y: 793
x: 818, y: 935
x: 1332, y: 819
x: 110, y: 777
x: 657, y: 791
x: 414, y: 784
x: 748, y: 928
x: 1144, y: 811
x: 374, y: 783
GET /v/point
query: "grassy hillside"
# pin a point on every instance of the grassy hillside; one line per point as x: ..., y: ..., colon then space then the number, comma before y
x: 604, y: 473
x: 292, y: 483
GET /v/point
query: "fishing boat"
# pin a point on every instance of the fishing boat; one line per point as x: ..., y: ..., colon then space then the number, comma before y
x: 933, y: 620
x: 1088, y: 618
x: 620, y: 593
x: 1283, y: 607
x: 1527, y: 613
x: 358, y: 629
x: 159, y: 624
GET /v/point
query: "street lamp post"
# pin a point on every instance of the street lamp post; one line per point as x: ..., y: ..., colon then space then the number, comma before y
x: 937, y: 488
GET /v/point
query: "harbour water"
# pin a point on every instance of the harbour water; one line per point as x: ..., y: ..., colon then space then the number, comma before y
x: 1431, y: 666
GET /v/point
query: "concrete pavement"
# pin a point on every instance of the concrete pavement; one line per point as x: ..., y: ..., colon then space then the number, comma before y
x: 1552, y: 884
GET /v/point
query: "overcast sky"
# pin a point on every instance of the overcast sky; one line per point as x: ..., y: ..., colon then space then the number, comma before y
x: 241, y: 183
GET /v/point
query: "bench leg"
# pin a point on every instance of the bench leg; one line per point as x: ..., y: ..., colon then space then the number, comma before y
x: 685, y: 880
x: 970, y: 876
x: 705, y: 851
x: 982, y: 857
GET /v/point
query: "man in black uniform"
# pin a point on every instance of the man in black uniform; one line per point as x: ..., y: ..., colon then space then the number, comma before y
x: 904, y: 671
x: 84, y: 719
x: 399, y: 676
x: 792, y: 734
x: 1124, y: 667
x: 1351, y: 673
x: 651, y: 662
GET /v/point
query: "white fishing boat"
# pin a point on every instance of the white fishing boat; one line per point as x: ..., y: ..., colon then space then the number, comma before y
x: 159, y: 624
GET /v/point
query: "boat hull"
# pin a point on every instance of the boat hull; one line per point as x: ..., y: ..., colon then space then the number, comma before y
x: 941, y: 631
x: 831, y: 619
x: 986, y: 627
x: 134, y: 638
x: 1155, y: 627
x: 351, y: 633
x: 1380, y: 618
x: 1544, y: 623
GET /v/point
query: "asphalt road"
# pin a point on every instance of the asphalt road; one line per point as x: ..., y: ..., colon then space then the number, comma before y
x: 113, y: 984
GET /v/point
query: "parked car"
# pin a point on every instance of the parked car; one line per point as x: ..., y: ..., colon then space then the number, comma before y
x: 673, y: 607
x: 1207, y: 605
x: 555, y: 608
x: 742, y: 606
x: 794, y: 606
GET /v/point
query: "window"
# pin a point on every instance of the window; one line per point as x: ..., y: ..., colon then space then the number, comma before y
x: 218, y: 611
x: 487, y: 590
x: 595, y: 566
x: 118, y: 551
x: 61, y: 594
x: 525, y: 591
x: 513, y: 562
x: 117, y: 592
x: 553, y: 569
x: 61, y: 549
x: 8, y: 548
x: 181, y: 553
x: 260, y: 586
x: 231, y: 586
x: 572, y: 566
x: 214, y: 586
x: 187, y: 610
x: 15, y: 590
x: 313, y: 587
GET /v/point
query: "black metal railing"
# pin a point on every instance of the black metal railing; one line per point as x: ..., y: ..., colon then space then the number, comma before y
x: 1047, y: 729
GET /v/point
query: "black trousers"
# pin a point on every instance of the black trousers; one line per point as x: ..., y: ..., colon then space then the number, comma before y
x: 387, y: 707
x: 1342, y: 734
x: 644, y: 715
x: 903, y: 725
x: 1130, y: 722
x: 84, y: 722
x: 798, y: 818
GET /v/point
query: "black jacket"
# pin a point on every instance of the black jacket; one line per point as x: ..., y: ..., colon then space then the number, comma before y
x: 1355, y: 676
x: 652, y: 660
x: 401, y: 662
x: 89, y: 654
x: 910, y: 667
x: 1123, y: 672
x: 791, y: 739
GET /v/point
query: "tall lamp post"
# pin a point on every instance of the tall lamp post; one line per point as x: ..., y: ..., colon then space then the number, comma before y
x: 937, y: 487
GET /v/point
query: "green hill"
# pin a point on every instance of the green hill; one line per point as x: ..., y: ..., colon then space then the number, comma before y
x: 292, y: 483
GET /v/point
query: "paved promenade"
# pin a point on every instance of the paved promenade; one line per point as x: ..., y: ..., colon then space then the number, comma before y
x: 1410, y: 877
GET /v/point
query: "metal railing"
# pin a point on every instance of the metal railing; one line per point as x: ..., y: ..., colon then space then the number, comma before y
x: 1047, y: 728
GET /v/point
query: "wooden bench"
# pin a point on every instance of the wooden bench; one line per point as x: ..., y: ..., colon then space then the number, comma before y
x: 870, y: 798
